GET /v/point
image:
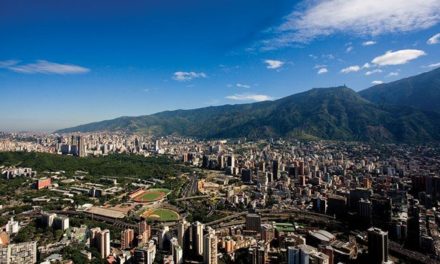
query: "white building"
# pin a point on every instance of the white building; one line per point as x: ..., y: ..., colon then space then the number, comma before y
x: 12, y: 227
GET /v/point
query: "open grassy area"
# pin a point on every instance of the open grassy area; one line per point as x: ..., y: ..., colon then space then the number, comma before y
x: 161, y: 214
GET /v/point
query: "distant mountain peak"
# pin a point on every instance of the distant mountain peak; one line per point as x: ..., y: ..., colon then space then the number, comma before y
x: 337, y: 113
x: 421, y: 92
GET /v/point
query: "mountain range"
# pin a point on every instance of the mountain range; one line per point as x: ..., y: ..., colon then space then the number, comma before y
x: 407, y: 110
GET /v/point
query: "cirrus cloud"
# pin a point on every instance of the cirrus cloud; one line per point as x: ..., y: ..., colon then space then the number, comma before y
x: 368, y: 73
x: 188, y: 76
x: 368, y: 43
x: 249, y: 97
x: 398, y: 57
x: 354, y: 68
x: 43, y: 66
x: 357, y: 17
x: 242, y: 85
x: 434, y: 65
x: 434, y: 39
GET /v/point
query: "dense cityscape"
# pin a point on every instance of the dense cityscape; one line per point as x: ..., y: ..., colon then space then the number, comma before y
x: 220, y: 132
x: 226, y: 201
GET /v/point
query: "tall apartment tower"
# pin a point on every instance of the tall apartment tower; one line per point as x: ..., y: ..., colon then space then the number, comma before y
x: 377, y: 246
x: 293, y: 254
x: 144, y: 230
x: 81, y: 146
x: 183, y: 235
x: 127, y: 238
x: 275, y: 169
x: 253, y: 222
x: 210, y: 247
x: 176, y: 251
x: 103, y: 243
x: 197, y: 238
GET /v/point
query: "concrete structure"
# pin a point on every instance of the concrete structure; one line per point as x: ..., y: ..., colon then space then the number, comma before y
x: 377, y: 246
x: 210, y: 247
x: 19, y: 253
x: 43, y: 183
x: 197, y: 238
x: 127, y: 238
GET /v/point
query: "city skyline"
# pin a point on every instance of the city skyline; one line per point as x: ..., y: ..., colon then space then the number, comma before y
x: 68, y: 63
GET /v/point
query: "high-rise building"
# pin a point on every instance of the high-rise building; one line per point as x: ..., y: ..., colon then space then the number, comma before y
x: 275, y: 169
x: 231, y: 161
x: 210, y: 247
x: 163, y: 237
x: 183, y: 235
x: 100, y: 239
x: 146, y: 254
x: 176, y: 251
x: 377, y: 246
x: 197, y: 238
x: 127, y: 238
x: 81, y: 146
x: 47, y: 219
x: 259, y: 255
x: 61, y: 222
x: 293, y: 255
x: 267, y: 232
x: 253, y: 222
x: 144, y: 232
x: 246, y: 175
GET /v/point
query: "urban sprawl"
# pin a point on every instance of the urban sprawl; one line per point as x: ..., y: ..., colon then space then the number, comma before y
x: 72, y: 198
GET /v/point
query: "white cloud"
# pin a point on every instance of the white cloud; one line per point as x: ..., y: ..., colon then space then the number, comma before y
x: 373, y: 72
x: 274, y: 64
x: 43, y: 66
x: 349, y: 49
x: 398, y: 57
x: 434, y: 65
x: 241, y: 85
x: 354, y: 68
x: 376, y: 82
x: 249, y: 97
x: 368, y: 43
x: 322, y: 71
x: 366, y: 66
x: 434, y: 39
x: 358, y: 17
x: 188, y: 76
x: 393, y: 74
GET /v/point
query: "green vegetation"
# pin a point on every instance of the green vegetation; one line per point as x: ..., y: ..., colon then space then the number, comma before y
x: 421, y: 92
x: 35, y: 232
x: 112, y: 165
x: 74, y: 253
x: 337, y: 113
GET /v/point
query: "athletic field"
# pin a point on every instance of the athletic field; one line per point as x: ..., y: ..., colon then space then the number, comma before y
x: 151, y: 195
x: 161, y: 214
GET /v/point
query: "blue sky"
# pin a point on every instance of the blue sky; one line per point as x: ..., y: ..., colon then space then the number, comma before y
x: 64, y: 63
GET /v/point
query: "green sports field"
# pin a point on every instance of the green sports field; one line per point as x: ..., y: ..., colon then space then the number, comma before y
x: 161, y: 214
